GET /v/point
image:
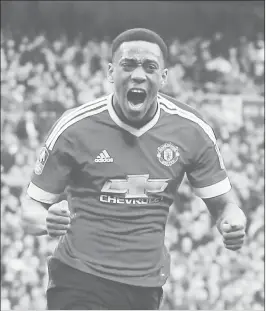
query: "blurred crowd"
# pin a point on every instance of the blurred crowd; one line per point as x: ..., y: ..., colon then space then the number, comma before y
x: 41, y: 78
x: 218, y: 65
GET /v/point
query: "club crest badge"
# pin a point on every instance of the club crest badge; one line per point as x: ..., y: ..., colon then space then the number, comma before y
x: 43, y: 157
x: 168, y: 154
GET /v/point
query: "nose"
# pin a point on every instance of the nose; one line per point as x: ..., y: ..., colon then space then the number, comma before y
x: 138, y: 75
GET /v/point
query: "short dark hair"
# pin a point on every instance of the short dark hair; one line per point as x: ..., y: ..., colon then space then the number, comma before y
x: 140, y: 34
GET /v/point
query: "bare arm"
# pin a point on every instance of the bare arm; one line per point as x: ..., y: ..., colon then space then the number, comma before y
x: 34, y: 216
x: 41, y: 219
x: 223, y: 206
x: 230, y: 219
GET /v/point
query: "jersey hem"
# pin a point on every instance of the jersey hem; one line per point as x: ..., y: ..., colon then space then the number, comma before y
x: 141, y: 283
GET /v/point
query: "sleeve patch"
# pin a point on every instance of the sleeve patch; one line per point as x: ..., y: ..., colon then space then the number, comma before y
x: 43, y: 157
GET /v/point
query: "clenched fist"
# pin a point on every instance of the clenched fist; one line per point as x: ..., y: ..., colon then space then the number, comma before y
x: 233, y: 235
x: 58, y: 219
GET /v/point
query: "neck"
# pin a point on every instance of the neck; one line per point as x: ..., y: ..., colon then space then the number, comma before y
x: 137, y: 124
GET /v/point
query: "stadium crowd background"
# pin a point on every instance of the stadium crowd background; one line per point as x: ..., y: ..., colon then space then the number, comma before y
x: 41, y: 76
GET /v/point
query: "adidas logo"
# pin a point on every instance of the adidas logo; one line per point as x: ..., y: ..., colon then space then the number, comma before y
x: 103, y: 157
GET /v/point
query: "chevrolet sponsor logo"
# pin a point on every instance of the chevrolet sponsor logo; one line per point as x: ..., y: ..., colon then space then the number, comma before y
x: 135, y: 186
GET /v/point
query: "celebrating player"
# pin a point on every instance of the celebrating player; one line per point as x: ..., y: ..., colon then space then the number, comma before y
x: 120, y: 160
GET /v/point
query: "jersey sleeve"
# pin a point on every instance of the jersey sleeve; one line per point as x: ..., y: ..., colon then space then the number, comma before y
x: 206, y: 172
x: 52, y: 170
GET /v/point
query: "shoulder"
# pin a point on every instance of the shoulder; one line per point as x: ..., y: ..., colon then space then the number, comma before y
x: 71, y: 119
x: 86, y: 110
x: 190, y: 116
x: 170, y: 103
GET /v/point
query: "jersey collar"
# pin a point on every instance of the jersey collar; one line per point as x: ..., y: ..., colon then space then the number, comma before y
x: 130, y: 129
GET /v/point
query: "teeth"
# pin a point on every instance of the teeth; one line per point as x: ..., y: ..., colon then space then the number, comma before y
x: 137, y: 91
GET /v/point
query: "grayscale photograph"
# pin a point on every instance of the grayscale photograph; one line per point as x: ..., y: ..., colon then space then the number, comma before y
x: 133, y: 155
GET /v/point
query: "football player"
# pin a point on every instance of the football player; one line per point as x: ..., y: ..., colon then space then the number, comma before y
x: 120, y: 160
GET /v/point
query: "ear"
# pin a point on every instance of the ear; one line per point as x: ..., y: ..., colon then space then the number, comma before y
x: 164, y: 77
x: 110, y: 73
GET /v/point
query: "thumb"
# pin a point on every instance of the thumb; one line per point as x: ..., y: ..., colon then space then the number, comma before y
x: 63, y: 205
x: 226, y: 227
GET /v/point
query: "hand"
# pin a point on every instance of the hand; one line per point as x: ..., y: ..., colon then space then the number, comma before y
x: 58, y: 219
x: 233, y: 233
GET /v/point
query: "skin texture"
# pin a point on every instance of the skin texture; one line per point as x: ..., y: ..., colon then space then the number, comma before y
x: 137, y: 64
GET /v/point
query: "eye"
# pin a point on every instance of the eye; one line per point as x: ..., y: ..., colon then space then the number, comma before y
x: 150, y: 67
x: 128, y: 66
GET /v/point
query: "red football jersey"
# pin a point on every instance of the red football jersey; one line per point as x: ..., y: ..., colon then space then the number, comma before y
x: 121, y: 182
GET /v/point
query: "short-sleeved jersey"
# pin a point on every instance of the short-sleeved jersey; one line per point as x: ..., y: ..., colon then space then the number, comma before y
x: 120, y: 183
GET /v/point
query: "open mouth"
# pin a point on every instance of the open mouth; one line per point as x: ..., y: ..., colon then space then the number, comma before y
x: 136, y: 96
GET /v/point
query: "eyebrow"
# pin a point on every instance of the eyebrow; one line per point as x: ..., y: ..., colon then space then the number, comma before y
x: 133, y: 59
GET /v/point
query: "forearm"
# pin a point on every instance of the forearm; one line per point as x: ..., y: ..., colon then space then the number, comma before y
x: 224, y: 207
x: 34, y: 216
x: 34, y: 228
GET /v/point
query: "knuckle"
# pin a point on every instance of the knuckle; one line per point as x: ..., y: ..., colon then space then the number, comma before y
x: 232, y: 248
x: 65, y: 221
x: 49, y: 224
x: 227, y: 237
x: 61, y: 227
x: 56, y: 232
x: 235, y: 247
x: 51, y: 233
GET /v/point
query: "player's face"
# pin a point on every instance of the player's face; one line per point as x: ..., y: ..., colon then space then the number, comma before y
x: 138, y: 73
